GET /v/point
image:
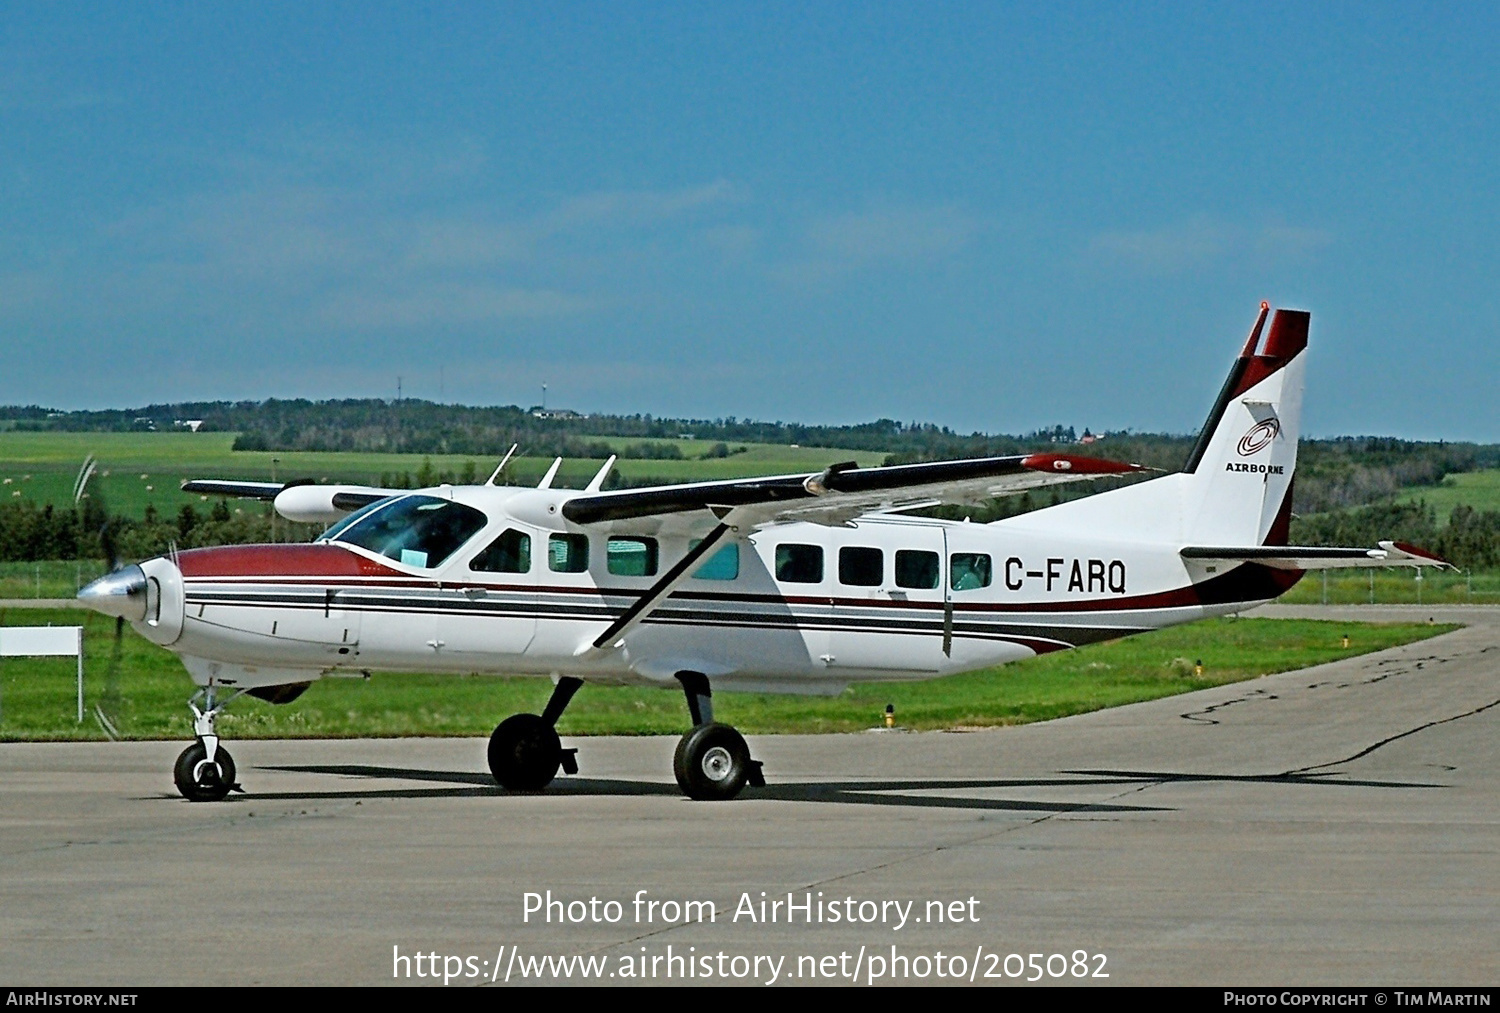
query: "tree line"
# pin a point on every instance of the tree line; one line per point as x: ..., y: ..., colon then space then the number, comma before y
x: 1470, y: 539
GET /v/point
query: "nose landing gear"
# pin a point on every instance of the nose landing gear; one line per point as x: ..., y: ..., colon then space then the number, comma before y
x: 204, y: 771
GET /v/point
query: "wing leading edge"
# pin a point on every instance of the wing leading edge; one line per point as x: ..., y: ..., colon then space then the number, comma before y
x: 844, y: 491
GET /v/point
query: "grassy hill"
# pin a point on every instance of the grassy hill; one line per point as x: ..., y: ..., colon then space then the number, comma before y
x: 1477, y: 489
x: 136, y: 469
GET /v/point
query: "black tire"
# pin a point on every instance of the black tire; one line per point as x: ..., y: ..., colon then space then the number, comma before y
x: 200, y: 781
x: 712, y: 763
x: 525, y: 753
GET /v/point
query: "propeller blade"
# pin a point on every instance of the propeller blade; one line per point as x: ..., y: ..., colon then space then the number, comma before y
x: 85, y: 473
x: 107, y: 543
x: 107, y: 710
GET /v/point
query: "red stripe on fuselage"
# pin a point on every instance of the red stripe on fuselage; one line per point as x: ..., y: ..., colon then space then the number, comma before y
x: 280, y: 561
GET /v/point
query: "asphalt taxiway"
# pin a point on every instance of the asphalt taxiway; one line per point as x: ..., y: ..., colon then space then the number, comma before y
x: 1337, y: 825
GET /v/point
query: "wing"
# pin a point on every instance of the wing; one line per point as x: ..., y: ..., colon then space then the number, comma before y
x: 297, y: 501
x: 840, y: 493
x: 845, y: 491
x: 1313, y: 557
x: 243, y: 490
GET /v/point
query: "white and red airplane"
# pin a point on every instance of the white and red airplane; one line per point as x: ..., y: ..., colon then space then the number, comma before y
x: 791, y: 583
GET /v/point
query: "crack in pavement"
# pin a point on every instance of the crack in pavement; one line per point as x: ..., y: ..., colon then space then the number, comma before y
x: 1400, y: 735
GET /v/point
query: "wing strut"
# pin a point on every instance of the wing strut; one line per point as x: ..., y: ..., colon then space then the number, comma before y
x: 659, y: 591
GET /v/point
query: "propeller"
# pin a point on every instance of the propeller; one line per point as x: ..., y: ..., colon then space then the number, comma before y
x: 107, y: 709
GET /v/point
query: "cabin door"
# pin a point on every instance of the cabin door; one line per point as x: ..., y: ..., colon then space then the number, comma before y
x: 889, y: 600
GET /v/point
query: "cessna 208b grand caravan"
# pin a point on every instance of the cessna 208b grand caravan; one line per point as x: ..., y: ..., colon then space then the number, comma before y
x: 790, y: 583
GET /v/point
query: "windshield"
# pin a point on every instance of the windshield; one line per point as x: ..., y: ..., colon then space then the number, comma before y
x: 334, y: 532
x: 415, y: 530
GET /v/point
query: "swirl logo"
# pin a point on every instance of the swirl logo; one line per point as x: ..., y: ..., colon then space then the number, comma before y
x: 1259, y: 437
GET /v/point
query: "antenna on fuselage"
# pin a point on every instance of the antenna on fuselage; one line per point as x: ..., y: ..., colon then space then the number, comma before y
x: 597, y: 482
x: 546, y: 482
x: 503, y: 462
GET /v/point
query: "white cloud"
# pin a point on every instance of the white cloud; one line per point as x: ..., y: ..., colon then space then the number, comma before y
x: 639, y: 207
x: 908, y: 234
x: 443, y: 303
x: 838, y: 245
x: 1200, y: 241
x: 465, y: 244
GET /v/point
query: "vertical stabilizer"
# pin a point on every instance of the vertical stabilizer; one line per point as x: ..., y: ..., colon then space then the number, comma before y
x: 1239, y: 485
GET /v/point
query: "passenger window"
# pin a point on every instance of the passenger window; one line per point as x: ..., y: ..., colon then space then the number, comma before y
x: 917, y: 569
x: 510, y: 553
x: 969, y: 571
x: 568, y: 553
x: 799, y: 564
x: 632, y: 557
x: 860, y: 567
x: 722, y: 565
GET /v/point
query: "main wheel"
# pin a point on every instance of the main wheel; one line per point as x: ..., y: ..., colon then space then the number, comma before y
x: 712, y: 763
x: 200, y: 780
x: 524, y: 753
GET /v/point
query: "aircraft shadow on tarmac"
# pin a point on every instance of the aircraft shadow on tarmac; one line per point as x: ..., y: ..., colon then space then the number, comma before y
x: 459, y: 784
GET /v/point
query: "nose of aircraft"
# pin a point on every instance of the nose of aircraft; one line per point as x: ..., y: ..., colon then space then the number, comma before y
x: 122, y: 593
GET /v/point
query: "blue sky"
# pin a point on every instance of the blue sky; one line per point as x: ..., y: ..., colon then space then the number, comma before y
x: 994, y: 217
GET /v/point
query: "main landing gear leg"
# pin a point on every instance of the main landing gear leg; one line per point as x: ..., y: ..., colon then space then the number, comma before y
x: 525, y: 751
x: 712, y: 761
x: 205, y: 770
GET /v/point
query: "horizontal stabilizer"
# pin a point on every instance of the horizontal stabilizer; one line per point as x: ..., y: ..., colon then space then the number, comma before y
x: 1316, y: 557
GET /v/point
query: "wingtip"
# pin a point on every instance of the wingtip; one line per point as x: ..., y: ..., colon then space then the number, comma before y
x: 1078, y: 464
x: 1419, y: 553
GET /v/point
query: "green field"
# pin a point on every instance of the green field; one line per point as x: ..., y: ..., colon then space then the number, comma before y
x: 37, y: 696
x: 140, y: 468
x: 1477, y: 489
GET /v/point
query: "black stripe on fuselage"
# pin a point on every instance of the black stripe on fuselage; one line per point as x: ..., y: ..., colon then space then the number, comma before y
x: 928, y: 620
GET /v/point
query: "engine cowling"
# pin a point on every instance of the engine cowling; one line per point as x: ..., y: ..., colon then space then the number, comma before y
x: 325, y: 504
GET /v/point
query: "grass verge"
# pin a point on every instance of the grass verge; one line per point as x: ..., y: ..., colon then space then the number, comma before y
x: 38, y: 701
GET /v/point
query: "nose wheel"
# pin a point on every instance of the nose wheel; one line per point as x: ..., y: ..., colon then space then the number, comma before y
x: 200, y: 779
x: 204, y: 771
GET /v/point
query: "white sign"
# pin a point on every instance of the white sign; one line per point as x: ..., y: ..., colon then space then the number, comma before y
x: 40, y: 641
x: 45, y: 641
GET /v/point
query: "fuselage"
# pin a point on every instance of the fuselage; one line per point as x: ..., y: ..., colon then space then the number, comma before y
x: 802, y: 607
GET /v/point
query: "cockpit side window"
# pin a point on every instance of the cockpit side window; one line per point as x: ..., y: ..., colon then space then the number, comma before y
x: 510, y: 553
x: 419, y: 531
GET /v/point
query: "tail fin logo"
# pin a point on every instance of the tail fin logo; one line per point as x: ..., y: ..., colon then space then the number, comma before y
x: 1259, y: 437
